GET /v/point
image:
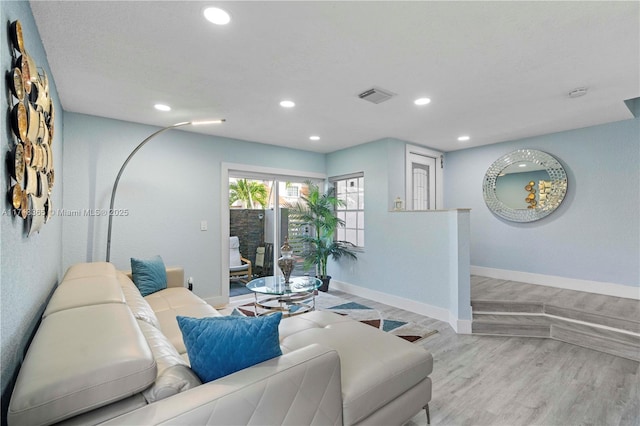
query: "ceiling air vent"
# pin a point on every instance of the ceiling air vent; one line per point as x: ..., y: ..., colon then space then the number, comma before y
x: 376, y: 95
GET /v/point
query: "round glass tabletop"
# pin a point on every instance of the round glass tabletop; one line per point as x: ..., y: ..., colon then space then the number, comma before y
x: 276, y: 285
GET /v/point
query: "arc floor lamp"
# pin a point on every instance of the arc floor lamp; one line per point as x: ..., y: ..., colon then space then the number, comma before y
x: 124, y: 165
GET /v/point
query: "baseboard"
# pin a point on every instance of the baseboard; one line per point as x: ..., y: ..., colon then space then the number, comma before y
x: 598, y: 287
x: 216, y: 301
x: 460, y: 326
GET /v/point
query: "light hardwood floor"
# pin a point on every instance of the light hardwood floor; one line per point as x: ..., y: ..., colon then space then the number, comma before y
x: 494, y: 380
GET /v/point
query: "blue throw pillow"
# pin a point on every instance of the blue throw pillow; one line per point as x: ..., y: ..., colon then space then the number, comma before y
x: 218, y: 346
x: 149, y: 275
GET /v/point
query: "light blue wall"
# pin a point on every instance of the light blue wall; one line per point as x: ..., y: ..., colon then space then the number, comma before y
x: 175, y: 182
x: 594, y: 235
x: 30, y: 267
x: 373, y: 159
x: 412, y: 255
x: 460, y: 295
x: 170, y: 186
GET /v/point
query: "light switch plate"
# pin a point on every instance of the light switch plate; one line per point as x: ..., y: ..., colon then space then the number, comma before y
x: 203, y: 225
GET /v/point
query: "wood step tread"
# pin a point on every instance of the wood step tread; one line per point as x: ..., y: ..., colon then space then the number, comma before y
x: 601, y: 337
x: 511, y: 319
x: 526, y: 330
x: 628, y: 324
x: 501, y: 322
x: 499, y: 306
x: 599, y: 343
x: 604, y: 323
x: 506, y: 306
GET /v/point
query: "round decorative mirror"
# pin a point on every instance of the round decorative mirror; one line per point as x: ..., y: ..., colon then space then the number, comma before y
x: 524, y: 185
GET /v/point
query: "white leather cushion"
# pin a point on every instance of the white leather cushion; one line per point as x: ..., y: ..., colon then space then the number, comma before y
x: 377, y: 367
x: 138, y: 305
x: 169, y: 324
x: 84, y: 291
x: 91, y: 269
x: 108, y: 412
x: 310, y: 320
x: 172, y: 298
x: 171, y: 302
x: 81, y: 359
x: 174, y: 375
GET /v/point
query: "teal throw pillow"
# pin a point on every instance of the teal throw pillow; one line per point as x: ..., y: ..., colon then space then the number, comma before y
x: 218, y: 346
x: 149, y: 275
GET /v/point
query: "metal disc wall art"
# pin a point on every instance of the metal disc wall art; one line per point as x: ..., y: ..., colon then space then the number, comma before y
x: 31, y: 118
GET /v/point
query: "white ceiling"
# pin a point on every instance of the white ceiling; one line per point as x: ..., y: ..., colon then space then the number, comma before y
x: 496, y: 71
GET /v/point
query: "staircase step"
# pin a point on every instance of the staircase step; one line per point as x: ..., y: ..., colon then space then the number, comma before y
x: 511, y: 318
x: 511, y: 325
x: 521, y: 330
x: 620, y: 346
x: 593, y: 331
x: 506, y: 306
x: 590, y: 317
x: 604, y: 323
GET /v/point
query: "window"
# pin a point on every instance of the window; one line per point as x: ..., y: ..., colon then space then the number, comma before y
x: 293, y: 191
x: 350, y: 190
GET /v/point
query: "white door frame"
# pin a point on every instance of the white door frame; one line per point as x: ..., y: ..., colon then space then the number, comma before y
x: 439, y: 174
x: 224, y: 209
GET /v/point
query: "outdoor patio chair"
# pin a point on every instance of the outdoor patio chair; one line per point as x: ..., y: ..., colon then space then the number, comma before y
x: 239, y: 267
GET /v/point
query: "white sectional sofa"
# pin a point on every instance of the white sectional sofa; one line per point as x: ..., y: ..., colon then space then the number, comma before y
x: 103, y: 354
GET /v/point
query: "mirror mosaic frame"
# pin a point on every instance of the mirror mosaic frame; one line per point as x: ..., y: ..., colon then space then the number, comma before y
x: 557, y: 176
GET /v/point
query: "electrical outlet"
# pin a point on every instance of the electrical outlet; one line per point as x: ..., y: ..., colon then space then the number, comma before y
x: 203, y: 225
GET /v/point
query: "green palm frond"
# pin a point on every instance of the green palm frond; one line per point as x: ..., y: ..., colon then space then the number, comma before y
x: 250, y: 192
x: 318, y: 210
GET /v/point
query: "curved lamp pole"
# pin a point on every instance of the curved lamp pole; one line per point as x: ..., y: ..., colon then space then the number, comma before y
x: 115, y: 184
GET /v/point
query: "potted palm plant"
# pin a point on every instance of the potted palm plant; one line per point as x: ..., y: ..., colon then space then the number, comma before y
x: 318, y: 211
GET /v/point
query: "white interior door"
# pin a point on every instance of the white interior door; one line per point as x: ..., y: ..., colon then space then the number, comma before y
x: 423, y: 179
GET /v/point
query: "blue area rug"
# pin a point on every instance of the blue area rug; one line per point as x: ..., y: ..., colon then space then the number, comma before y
x: 237, y: 288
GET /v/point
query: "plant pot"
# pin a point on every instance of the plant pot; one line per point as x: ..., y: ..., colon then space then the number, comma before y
x: 325, y: 283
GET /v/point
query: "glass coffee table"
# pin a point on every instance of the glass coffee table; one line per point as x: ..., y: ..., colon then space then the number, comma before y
x: 293, y: 298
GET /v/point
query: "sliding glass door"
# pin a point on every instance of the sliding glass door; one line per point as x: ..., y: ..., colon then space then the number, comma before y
x: 259, y: 207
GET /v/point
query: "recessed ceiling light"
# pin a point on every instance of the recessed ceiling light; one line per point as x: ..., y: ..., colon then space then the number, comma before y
x: 217, y: 16
x: 522, y: 165
x: 314, y: 138
x: 287, y: 104
x: 162, y: 107
x: 464, y: 138
x: 422, y: 101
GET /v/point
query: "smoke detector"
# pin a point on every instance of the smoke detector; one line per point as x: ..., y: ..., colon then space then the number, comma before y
x: 376, y: 95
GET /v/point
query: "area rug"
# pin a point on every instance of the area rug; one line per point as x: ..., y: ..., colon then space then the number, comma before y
x: 238, y: 288
x: 408, y: 330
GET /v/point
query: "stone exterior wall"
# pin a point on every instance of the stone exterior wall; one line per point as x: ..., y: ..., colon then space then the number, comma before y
x: 248, y: 226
